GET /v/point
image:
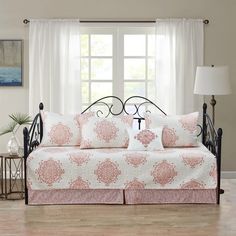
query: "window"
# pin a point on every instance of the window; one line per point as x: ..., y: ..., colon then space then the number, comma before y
x: 118, y: 61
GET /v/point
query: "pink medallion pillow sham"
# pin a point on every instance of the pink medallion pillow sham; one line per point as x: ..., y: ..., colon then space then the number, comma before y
x: 178, y: 131
x: 61, y: 130
x: 145, y: 140
x: 99, y: 132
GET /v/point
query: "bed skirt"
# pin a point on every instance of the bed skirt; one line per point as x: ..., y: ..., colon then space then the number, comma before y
x: 117, y: 196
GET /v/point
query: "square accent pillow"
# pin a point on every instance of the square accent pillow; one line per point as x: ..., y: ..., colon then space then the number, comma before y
x: 62, y: 130
x: 145, y: 140
x: 109, y: 132
x: 178, y: 131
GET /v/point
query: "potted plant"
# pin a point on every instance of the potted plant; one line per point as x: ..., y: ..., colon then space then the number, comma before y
x: 17, y: 119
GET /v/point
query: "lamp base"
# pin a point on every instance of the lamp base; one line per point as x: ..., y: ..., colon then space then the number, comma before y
x: 213, y: 103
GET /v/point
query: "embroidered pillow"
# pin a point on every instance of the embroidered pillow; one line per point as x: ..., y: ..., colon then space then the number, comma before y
x: 62, y: 130
x: 178, y: 131
x: 100, y: 132
x: 145, y: 140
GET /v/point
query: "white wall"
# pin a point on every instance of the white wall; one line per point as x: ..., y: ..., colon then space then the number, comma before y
x: 220, y: 40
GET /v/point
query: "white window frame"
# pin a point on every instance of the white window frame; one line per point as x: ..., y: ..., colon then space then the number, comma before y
x: 118, y: 31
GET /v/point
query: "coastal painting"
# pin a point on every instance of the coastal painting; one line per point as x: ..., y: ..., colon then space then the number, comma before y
x: 10, y: 62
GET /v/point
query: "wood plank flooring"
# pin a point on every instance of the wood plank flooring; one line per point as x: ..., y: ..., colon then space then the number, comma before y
x: 164, y: 220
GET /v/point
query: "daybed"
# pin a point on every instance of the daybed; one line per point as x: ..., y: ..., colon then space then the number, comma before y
x: 71, y: 175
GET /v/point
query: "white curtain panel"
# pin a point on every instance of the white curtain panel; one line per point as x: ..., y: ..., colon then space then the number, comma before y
x: 179, y: 50
x: 54, y: 65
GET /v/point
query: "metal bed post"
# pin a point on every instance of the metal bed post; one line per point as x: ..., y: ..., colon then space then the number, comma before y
x: 204, y: 126
x: 26, y: 153
x: 35, y: 131
x: 41, y: 121
x: 218, y: 156
x: 213, y: 141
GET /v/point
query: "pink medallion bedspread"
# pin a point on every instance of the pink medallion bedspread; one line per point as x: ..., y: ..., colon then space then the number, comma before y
x: 51, y: 168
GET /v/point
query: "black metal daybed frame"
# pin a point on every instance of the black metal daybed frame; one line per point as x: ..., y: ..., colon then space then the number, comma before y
x: 211, y: 138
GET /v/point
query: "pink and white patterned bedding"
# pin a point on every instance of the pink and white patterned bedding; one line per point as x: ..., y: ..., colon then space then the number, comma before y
x: 52, y: 168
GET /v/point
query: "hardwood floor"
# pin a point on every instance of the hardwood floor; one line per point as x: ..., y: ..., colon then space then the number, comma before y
x: 166, y: 220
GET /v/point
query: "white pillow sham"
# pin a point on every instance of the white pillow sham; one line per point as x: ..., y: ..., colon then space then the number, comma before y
x: 62, y: 130
x: 100, y: 132
x: 178, y: 131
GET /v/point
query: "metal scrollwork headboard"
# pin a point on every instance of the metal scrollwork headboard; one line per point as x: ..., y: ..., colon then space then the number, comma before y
x: 117, y: 106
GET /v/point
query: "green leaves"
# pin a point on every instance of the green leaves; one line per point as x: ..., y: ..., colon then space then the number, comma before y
x: 17, y: 119
x: 9, y: 128
x: 21, y: 119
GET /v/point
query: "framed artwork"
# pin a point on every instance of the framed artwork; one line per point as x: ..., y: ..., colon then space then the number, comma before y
x: 10, y: 62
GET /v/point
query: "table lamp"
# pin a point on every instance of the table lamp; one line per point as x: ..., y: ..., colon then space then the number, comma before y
x: 212, y: 80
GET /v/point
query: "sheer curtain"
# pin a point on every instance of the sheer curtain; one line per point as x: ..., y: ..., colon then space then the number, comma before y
x: 54, y: 65
x: 179, y: 50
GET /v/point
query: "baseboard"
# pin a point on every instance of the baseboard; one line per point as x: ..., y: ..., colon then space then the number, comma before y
x: 228, y: 174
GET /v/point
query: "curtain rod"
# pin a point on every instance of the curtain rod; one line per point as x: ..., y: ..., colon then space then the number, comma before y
x: 206, y: 21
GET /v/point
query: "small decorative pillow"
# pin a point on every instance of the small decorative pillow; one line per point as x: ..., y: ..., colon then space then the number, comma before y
x: 100, y: 132
x: 62, y: 130
x: 178, y: 131
x: 145, y: 140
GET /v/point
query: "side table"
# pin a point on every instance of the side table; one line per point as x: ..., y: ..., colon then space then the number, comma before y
x: 13, y: 176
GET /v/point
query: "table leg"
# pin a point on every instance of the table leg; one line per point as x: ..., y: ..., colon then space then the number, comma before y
x: 5, y: 180
x: 21, y: 177
x: 10, y: 188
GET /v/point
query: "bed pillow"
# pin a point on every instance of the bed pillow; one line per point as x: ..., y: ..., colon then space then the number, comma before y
x: 62, y: 130
x: 145, y: 140
x: 100, y: 132
x: 178, y: 131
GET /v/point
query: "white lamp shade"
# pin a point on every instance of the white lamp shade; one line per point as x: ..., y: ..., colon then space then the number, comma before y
x: 212, y: 80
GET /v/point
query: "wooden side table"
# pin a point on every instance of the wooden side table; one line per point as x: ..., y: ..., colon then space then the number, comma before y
x: 13, y: 181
